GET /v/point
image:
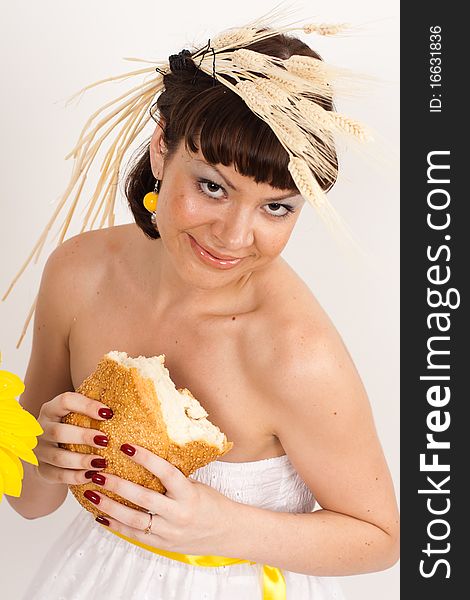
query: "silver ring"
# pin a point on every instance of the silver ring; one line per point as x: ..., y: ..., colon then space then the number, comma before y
x: 149, y: 526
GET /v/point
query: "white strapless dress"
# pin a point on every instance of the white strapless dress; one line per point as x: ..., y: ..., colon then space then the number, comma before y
x: 90, y: 563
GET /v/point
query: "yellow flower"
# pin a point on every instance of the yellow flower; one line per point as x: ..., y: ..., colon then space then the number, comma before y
x: 18, y: 431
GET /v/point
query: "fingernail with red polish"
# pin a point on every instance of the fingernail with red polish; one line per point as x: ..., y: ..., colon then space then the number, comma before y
x: 91, y: 496
x: 100, y: 440
x: 98, y: 478
x: 105, y: 413
x: 89, y: 474
x: 128, y: 449
x: 99, y: 463
x: 102, y: 520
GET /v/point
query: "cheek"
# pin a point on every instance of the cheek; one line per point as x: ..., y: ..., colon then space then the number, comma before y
x: 272, y: 238
x: 183, y: 209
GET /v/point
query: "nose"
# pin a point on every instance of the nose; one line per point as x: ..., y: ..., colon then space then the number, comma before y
x: 235, y: 230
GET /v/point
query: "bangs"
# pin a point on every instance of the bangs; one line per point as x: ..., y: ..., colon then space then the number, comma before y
x: 231, y: 134
x: 220, y: 125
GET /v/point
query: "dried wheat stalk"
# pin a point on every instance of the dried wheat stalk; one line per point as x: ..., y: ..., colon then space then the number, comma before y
x: 325, y: 29
x: 281, y: 101
x: 311, y: 190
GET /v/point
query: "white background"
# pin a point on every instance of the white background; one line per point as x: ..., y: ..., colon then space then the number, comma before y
x: 51, y: 49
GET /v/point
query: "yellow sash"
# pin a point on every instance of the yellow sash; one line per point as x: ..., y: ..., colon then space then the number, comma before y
x: 274, y: 584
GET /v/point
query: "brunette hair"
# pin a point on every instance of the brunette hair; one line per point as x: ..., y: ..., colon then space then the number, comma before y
x: 229, y: 132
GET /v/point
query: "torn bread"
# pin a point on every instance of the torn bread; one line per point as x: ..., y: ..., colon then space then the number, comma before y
x: 149, y: 411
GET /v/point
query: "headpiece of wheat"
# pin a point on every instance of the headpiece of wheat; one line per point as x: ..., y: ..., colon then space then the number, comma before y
x: 287, y: 97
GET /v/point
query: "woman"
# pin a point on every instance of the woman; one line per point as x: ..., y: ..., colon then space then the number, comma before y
x: 206, y: 286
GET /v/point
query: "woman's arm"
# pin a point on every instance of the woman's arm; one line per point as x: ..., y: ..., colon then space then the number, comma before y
x: 322, y: 543
x: 324, y: 422
x: 47, y: 375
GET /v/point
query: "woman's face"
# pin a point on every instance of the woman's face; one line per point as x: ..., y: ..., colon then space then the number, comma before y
x: 206, y: 211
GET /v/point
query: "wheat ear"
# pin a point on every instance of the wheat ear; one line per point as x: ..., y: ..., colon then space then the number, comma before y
x: 309, y: 187
x: 325, y: 29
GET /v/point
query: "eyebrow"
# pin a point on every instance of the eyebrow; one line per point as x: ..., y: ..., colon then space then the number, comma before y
x: 230, y: 185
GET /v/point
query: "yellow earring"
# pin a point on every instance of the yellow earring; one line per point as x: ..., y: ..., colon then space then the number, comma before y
x: 151, y: 199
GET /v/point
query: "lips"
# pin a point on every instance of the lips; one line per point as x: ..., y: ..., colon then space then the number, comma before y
x: 219, y: 257
x: 215, y: 255
x: 210, y: 259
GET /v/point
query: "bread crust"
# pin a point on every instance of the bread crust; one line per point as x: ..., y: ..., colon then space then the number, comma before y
x: 138, y: 419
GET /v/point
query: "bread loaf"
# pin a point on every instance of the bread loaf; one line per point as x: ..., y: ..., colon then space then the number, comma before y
x: 148, y: 411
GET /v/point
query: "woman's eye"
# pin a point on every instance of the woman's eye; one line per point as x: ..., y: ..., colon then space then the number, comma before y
x: 279, y: 210
x: 214, y: 190
x: 210, y: 188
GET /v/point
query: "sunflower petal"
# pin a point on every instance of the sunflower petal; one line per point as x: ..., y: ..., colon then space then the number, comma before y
x: 30, y: 441
x: 12, y: 413
x: 18, y: 425
x: 10, y: 385
x: 9, y: 403
x: 11, y: 477
x: 17, y: 447
x: 15, y: 459
x: 13, y: 487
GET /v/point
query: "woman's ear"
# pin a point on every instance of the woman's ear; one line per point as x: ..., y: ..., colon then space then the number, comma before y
x: 157, y: 151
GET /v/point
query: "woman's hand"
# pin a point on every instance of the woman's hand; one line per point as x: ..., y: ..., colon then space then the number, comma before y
x: 58, y: 465
x: 191, y: 518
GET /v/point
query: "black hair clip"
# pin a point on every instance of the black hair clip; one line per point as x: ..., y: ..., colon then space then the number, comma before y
x: 179, y: 62
x: 204, y: 51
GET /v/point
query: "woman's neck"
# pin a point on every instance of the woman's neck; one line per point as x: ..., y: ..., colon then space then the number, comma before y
x: 173, y: 292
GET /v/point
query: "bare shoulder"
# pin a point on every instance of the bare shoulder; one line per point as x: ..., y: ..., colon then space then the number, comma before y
x: 87, y: 255
x: 98, y: 244
x: 76, y: 268
x: 67, y: 279
x: 298, y: 358
x: 293, y: 328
